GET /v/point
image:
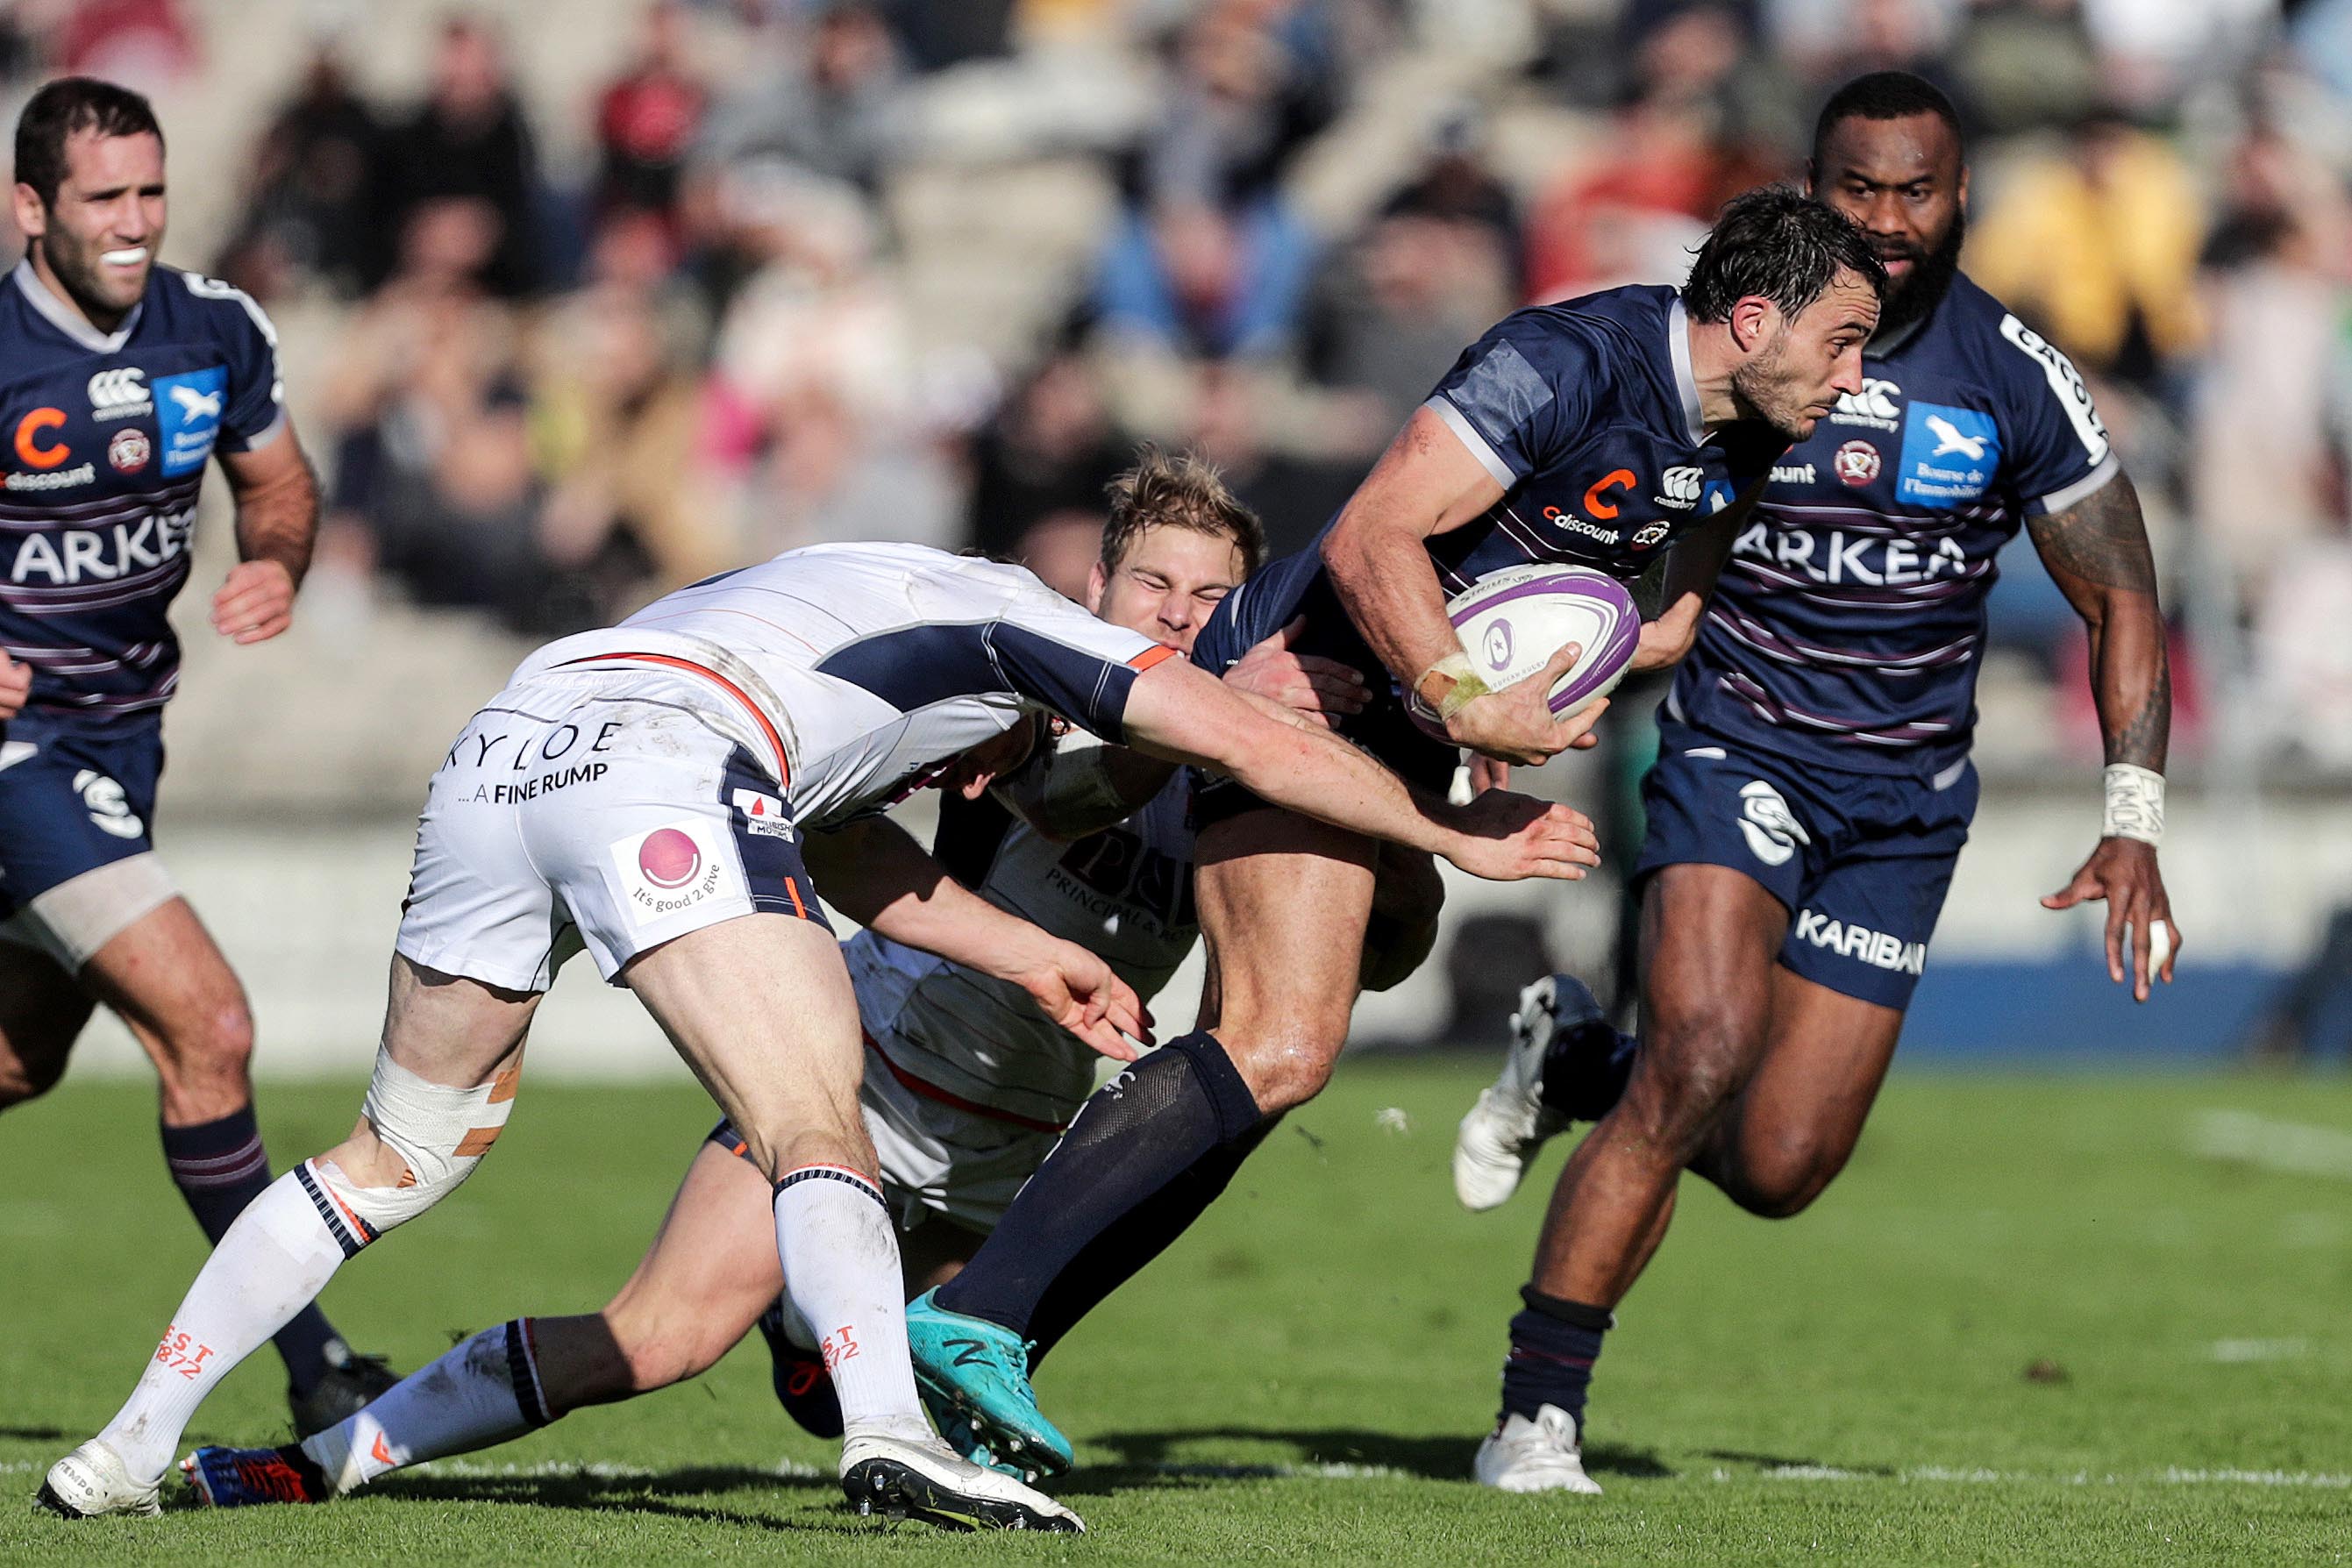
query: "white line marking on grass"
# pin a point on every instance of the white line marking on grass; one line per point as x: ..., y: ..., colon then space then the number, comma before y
x: 2293, y: 1148
x: 478, y: 1471
x: 2231, y: 1351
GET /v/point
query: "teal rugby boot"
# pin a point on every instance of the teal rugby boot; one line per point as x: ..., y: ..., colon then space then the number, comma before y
x: 975, y: 1373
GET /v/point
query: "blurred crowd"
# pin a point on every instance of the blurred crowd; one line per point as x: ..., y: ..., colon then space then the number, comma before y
x: 559, y: 385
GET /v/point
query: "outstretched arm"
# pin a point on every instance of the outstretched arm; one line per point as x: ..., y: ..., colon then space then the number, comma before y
x: 2096, y: 552
x: 873, y: 871
x: 1186, y: 715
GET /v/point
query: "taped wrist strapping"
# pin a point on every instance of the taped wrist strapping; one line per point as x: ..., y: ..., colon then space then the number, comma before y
x: 1466, y: 687
x: 2135, y: 804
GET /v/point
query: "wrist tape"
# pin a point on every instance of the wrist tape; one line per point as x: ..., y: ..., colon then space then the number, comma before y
x: 2135, y: 804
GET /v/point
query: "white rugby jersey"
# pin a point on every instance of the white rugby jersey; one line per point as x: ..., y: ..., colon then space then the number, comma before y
x: 855, y: 672
x: 1125, y: 893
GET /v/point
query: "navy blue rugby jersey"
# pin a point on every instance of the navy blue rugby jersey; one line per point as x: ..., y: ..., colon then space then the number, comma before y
x: 108, y: 436
x: 1848, y: 622
x: 1587, y: 414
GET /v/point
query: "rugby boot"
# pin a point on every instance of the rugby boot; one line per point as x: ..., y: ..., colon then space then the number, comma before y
x: 802, y: 1385
x: 972, y: 1369
x: 1510, y: 1122
x: 92, y: 1481
x: 903, y: 1479
x: 353, y: 1381
x: 1539, y: 1456
x: 240, y: 1478
x: 957, y: 1433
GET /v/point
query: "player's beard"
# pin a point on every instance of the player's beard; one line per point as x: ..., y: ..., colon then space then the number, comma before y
x: 1931, y: 278
x: 81, y: 273
x: 1770, y: 393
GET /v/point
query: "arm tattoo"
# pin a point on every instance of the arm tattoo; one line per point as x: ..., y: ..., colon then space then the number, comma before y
x: 2100, y: 541
x: 2145, y: 738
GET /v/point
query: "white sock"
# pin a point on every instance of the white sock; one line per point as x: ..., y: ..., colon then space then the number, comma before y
x: 841, y: 1269
x: 481, y: 1392
x: 275, y: 1260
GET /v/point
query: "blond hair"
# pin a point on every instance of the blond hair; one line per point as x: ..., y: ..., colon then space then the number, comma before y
x: 1180, y: 490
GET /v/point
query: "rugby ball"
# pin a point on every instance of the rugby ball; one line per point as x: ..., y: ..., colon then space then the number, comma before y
x: 1511, y: 623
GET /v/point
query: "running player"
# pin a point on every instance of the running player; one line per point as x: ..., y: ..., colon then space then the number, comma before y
x: 123, y: 378
x: 1604, y: 431
x: 966, y: 1085
x: 1813, y: 785
x: 641, y: 790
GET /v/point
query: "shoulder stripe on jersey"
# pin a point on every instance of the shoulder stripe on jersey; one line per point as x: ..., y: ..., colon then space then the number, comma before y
x: 1468, y: 434
x: 915, y: 667
x: 2089, y: 485
x: 1082, y: 687
x: 205, y: 288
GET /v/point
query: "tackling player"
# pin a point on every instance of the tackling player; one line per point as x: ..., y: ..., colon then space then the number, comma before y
x: 1606, y: 431
x: 124, y: 379
x: 1813, y: 785
x: 967, y: 1085
x: 641, y: 790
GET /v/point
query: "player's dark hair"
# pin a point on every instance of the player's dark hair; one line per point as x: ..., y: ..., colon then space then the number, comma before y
x: 61, y: 111
x: 1782, y: 245
x: 1883, y: 95
x: 1179, y: 491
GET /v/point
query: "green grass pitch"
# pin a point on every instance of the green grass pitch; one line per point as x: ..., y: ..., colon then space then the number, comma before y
x: 2027, y: 1325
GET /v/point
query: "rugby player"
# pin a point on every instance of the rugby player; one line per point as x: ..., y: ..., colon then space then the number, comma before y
x: 1814, y: 786
x: 1607, y: 431
x: 124, y: 377
x: 641, y: 790
x: 967, y: 1085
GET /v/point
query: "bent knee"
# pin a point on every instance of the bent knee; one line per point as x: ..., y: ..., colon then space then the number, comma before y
x: 656, y: 1352
x: 214, y: 1039
x: 1687, y: 1075
x: 1287, y: 1070
x: 1782, y: 1181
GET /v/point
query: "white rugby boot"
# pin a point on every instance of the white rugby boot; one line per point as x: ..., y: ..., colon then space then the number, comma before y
x: 908, y: 1479
x: 1511, y: 1121
x: 1537, y: 1456
x: 92, y: 1480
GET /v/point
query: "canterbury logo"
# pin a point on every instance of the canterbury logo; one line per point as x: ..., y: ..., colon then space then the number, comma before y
x: 118, y: 388
x: 969, y: 1353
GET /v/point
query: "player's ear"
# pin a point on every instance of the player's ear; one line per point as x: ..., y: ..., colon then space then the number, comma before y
x: 1096, y: 581
x: 32, y: 217
x: 1964, y: 187
x: 1752, y: 320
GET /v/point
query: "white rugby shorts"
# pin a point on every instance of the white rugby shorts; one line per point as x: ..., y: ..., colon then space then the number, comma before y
x: 609, y: 809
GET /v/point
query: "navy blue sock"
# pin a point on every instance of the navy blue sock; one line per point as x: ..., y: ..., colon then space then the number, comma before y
x: 1118, y: 1256
x: 1585, y: 1069
x: 219, y: 1167
x: 1554, y: 1344
x: 1139, y: 1136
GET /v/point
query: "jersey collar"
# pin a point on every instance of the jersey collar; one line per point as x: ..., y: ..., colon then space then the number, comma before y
x: 70, y: 321
x: 1686, y: 384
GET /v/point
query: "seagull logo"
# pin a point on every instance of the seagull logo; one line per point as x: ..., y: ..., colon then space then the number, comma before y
x: 207, y: 404
x: 1948, y: 438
